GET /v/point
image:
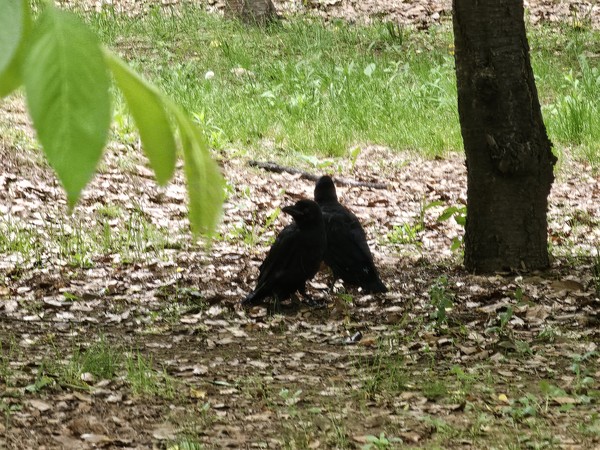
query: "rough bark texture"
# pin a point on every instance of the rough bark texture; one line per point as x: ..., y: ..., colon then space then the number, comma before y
x: 509, y: 156
x: 251, y: 11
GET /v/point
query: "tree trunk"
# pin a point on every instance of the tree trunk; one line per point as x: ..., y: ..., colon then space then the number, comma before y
x: 258, y: 12
x: 509, y: 156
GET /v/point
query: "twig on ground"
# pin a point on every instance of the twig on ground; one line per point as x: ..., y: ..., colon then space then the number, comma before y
x: 274, y: 167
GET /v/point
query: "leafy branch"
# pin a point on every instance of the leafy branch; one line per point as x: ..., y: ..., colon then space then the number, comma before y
x: 66, y: 74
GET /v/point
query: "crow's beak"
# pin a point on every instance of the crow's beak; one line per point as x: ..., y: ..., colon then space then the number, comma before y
x: 292, y: 211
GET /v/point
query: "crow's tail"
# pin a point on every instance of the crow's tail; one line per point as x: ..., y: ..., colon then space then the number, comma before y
x: 253, y: 298
x: 374, y: 286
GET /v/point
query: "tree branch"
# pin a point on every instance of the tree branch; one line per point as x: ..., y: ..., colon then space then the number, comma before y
x: 270, y: 166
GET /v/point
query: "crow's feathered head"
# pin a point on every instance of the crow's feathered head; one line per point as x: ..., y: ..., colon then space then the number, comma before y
x: 305, y: 213
x: 325, y: 190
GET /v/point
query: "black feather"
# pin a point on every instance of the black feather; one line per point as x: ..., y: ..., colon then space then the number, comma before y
x: 348, y: 254
x: 294, y: 257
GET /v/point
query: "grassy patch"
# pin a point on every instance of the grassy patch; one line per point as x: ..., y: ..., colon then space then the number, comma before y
x: 383, y: 374
x: 568, y: 81
x: 84, y: 366
x: 145, y: 380
x: 8, y: 352
x: 88, y: 365
x: 303, y: 85
x: 101, y: 359
x: 131, y: 236
x: 311, y: 87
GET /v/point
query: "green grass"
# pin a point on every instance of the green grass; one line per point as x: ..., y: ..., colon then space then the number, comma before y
x: 19, y: 238
x: 84, y: 366
x: 186, y: 444
x: 8, y: 351
x: 313, y: 88
x: 144, y: 380
x: 101, y: 360
x: 307, y: 87
x: 78, y: 241
x: 384, y: 373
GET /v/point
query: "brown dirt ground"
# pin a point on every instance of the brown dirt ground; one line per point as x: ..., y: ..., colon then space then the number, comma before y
x: 179, y: 307
x: 177, y: 303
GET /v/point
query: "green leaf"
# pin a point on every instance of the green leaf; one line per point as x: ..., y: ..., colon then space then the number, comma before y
x: 10, y: 79
x: 433, y: 204
x: 458, y: 212
x: 11, y: 29
x: 456, y: 243
x: 447, y: 213
x: 67, y: 88
x: 39, y: 384
x: 206, y: 187
x: 15, y: 25
x: 370, y: 69
x: 148, y: 111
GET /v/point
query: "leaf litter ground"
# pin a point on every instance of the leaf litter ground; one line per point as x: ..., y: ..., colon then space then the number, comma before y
x: 506, y: 360
x: 444, y: 360
x: 421, y: 13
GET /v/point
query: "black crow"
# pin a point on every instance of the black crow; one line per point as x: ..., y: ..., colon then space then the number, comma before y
x: 347, y: 253
x: 294, y: 257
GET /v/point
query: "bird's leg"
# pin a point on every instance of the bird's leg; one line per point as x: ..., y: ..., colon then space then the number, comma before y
x: 332, y: 285
x: 295, y: 300
x: 310, y: 301
x: 276, y: 304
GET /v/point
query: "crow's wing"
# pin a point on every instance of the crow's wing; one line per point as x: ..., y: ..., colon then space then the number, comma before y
x: 269, y: 273
x: 348, y: 253
x: 293, y: 258
x: 280, y: 254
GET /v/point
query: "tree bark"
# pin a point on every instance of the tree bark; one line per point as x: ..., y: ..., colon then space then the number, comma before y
x: 258, y: 12
x: 509, y: 156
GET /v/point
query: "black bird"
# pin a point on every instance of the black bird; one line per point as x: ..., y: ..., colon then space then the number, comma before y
x: 347, y: 253
x: 294, y: 257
